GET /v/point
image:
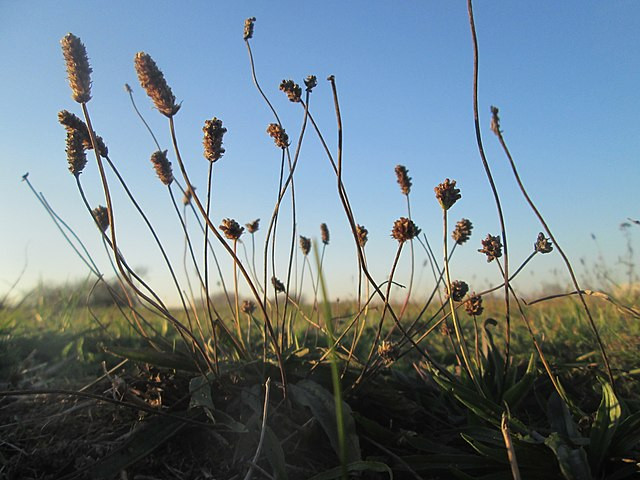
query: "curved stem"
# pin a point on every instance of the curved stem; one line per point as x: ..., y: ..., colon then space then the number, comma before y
x: 485, y: 164
x: 565, y: 259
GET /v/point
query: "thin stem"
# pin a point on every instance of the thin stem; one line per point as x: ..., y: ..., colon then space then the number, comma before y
x: 237, y: 298
x: 374, y: 345
x: 184, y: 332
x: 410, y: 287
x: 229, y: 250
x: 456, y: 323
x: 485, y: 164
x: 565, y: 259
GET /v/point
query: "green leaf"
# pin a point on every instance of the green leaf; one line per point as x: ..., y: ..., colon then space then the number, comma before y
x: 274, y: 453
x: 497, y: 454
x: 153, y: 357
x: 573, y: 461
x: 627, y: 435
x: 309, y: 394
x: 144, y: 440
x: 604, y: 426
x: 359, y: 466
x: 514, y: 395
x: 561, y: 420
x: 482, y: 407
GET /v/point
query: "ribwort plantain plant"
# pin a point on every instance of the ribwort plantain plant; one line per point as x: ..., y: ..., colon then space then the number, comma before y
x: 349, y: 365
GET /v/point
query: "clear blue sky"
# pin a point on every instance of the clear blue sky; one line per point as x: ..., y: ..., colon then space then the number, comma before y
x: 564, y: 74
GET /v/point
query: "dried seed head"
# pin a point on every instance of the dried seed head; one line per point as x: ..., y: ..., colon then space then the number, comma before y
x: 462, y: 231
x: 543, y: 245
x: 404, y: 229
x: 71, y: 122
x: 152, y: 80
x: 447, y: 194
x: 458, y: 290
x: 387, y: 352
x: 248, y: 307
x: 76, y: 155
x: 292, y: 90
x: 231, y: 229
x: 253, y: 226
x: 101, y: 216
x: 127, y: 88
x: 277, y: 284
x: 305, y: 245
x: 363, y: 235
x: 404, y: 180
x: 444, y: 329
x: 491, y: 247
x: 78, y: 69
x: 310, y: 82
x: 188, y: 194
x: 495, y: 121
x: 324, y: 233
x: 473, y: 305
x: 278, y: 134
x: 213, y: 133
x: 163, y: 166
x: 248, y: 28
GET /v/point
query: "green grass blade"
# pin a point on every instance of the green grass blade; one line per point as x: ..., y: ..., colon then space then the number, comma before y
x: 604, y: 426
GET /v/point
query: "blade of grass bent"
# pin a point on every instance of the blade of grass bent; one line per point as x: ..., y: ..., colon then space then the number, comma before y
x: 335, y: 374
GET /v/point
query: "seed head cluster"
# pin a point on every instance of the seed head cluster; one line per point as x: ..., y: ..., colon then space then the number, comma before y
x: 495, y: 121
x: 277, y: 285
x: 404, y: 229
x: 231, y: 229
x: 458, y: 290
x: 71, y: 122
x: 387, y: 352
x: 305, y: 245
x: 324, y: 233
x: 363, y: 235
x: 101, y: 216
x: 253, y: 227
x: 248, y: 28
x: 278, y: 134
x: 447, y: 194
x: 162, y: 165
x: 248, y: 307
x: 152, y: 80
x: 491, y: 247
x: 404, y: 180
x: 78, y: 68
x: 462, y: 232
x: 310, y: 82
x: 213, y: 133
x: 543, y: 245
x: 76, y: 156
x: 292, y: 89
x: 473, y: 305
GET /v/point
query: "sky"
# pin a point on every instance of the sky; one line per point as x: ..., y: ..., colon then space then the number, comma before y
x: 564, y: 75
